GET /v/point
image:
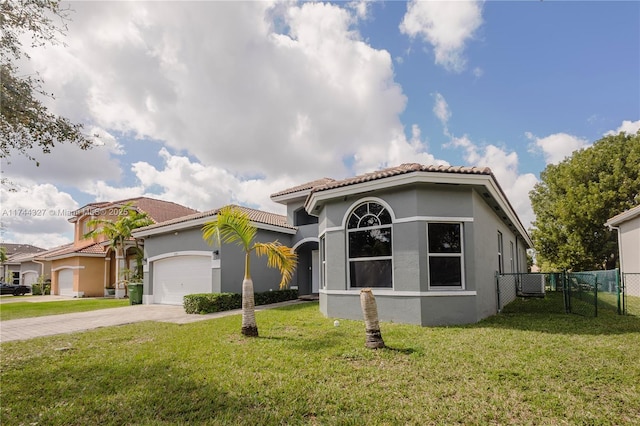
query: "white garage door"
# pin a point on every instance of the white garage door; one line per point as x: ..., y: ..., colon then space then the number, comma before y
x: 29, y: 278
x: 177, y: 276
x: 65, y: 282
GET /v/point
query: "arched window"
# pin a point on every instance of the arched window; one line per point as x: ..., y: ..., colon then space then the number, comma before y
x: 369, y: 246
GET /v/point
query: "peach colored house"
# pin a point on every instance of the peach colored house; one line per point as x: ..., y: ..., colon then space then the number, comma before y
x: 86, y: 267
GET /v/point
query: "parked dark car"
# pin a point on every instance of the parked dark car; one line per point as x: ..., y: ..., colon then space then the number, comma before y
x: 16, y: 290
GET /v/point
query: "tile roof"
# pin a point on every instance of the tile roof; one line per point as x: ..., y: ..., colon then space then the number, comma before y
x: 13, y: 249
x: 158, y: 210
x: 304, y: 187
x: 258, y: 216
x: 89, y: 248
x: 399, y: 170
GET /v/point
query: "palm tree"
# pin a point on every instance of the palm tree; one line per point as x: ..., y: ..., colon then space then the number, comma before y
x: 118, y: 232
x: 233, y: 225
x: 371, y: 323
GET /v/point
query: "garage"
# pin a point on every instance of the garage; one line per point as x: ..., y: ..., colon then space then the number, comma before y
x: 174, y: 277
x: 65, y: 282
x: 29, y: 278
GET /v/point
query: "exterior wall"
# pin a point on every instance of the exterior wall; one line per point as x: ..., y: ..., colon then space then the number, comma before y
x: 411, y: 300
x: 232, y: 266
x: 27, y: 268
x: 630, y: 246
x: 91, y: 278
x: 88, y: 275
x: 9, y: 271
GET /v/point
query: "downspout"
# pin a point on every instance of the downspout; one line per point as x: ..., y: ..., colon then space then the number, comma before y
x: 41, y: 266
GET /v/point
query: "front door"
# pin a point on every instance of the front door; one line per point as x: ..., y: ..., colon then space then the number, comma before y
x: 315, y: 271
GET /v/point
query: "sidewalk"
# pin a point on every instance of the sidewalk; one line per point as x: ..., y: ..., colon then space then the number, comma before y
x: 29, y: 328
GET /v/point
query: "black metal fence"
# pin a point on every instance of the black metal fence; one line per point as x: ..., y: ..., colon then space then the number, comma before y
x: 579, y: 293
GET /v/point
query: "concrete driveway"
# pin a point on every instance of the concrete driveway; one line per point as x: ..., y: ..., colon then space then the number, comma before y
x: 28, y: 328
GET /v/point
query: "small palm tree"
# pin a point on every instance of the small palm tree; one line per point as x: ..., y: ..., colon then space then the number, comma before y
x: 118, y: 232
x: 232, y: 225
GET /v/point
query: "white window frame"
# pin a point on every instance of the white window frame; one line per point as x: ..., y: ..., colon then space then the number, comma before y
x: 323, y: 261
x: 460, y: 255
x: 362, y: 259
x: 500, y: 253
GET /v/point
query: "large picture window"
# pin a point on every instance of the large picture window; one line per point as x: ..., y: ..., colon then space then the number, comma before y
x: 445, y: 255
x: 369, y: 246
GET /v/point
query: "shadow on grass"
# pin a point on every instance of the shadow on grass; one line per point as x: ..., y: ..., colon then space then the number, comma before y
x: 404, y: 351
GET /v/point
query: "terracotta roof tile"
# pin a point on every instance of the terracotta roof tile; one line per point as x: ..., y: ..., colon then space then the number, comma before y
x: 88, y: 248
x: 13, y: 249
x: 399, y: 170
x: 255, y: 216
x: 304, y: 187
x: 158, y: 210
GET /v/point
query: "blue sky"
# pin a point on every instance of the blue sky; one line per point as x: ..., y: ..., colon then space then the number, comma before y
x: 207, y: 103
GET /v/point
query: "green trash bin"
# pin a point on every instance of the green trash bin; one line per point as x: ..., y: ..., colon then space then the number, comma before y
x: 135, y: 294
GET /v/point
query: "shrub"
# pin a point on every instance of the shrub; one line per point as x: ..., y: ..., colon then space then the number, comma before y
x: 205, y: 303
x: 41, y: 288
x: 269, y: 297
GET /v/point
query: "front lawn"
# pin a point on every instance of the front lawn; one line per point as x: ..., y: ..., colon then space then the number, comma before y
x: 16, y: 310
x: 510, y: 369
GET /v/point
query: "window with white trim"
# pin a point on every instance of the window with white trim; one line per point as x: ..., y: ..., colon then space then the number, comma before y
x: 500, y: 251
x: 323, y: 262
x: 445, y: 255
x: 369, y: 246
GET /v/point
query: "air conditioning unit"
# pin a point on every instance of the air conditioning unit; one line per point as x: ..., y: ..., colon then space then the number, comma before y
x: 531, y: 285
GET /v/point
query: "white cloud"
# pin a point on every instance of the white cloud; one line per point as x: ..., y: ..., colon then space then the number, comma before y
x: 447, y: 26
x: 627, y: 126
x: 442, y: 111
x: 67, y: 164
x: 260, y: 95
x: 252, y: 87
x: 398, y: 151
x: 558, y: 146
x: 36, y: 214
x: 504, y: 166
x: 361, y: 8
x: 190, y: 183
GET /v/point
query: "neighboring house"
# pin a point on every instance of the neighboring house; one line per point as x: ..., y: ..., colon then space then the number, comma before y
x: 13, y: 270
x: 179, y: 262
x: 627, y: 224
x: 429, y: 240
x: 86, y: 267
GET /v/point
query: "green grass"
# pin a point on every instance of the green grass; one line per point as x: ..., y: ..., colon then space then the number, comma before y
x: 16, y: 310
x: 523, y: 368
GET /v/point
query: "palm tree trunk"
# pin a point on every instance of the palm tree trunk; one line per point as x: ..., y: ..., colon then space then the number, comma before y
x: 249, y: 325
x: 371, y: 324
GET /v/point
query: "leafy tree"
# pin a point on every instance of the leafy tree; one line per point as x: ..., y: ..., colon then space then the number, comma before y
x: 26, y: 122
x: 575, y: 198
x: 118, y: 232
x: 232, y: 225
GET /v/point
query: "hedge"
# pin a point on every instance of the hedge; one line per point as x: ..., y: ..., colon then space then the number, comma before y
x: 205, y: 303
